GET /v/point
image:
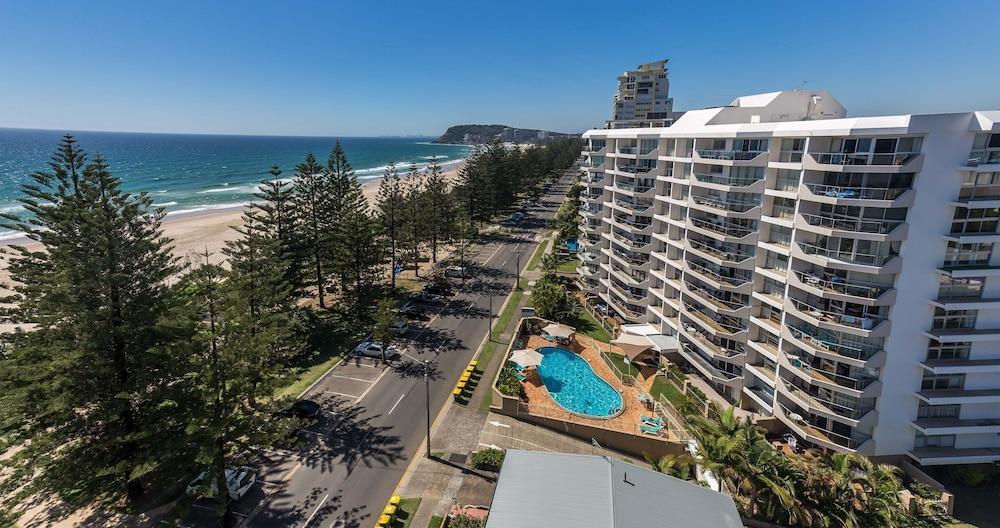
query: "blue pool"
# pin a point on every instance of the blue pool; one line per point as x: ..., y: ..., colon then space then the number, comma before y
x: 574, y: 385
x: 572, y: 245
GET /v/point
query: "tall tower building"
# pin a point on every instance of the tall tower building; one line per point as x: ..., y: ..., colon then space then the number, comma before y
x: 643, y: 98
x: 835, y: 273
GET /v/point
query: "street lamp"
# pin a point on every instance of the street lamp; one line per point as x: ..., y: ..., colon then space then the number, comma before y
x: 427, y: 392
x: 517, y: 269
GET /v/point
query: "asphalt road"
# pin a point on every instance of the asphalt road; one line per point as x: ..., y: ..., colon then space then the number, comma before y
x: 374, y: 417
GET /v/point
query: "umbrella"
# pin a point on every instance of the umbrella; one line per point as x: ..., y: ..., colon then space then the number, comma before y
x: 633, y: 345
x: 558, y: 330
x: 528, y: 357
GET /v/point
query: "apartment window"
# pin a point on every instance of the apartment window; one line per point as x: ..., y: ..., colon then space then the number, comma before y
x: 647, y: 145
x: 947, y: 351
x: 962, y: 288
x: 793, y: 144
x: 920, y: 441
x: 974, y: 254
x: 750, y: 145
x: 975, y: 220
x: 851, y: 145
x: 942, y: 382
x: 945, y: 319
x: 775, y: 261
x: 779, y: 235
x: 787, y: 180
x: 980, y: 186
x: 926, y: 410
x: 773, y: 287
x: 783, y: 208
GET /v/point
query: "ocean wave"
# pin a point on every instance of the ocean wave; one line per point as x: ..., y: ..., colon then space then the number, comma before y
x: 11, y: 208
x: 433, y: 157
x: 212, y: 207
x: 236, y: 189
x: 164, y: 204
x: 11, y: 235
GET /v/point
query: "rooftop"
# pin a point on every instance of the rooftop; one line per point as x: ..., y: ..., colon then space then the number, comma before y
x: 559, y: 490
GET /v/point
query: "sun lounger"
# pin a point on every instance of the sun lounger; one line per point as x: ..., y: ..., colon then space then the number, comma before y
x: 652, y: 420
x: 650, y: 429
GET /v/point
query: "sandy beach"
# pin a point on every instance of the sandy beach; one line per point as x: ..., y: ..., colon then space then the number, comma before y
x: 195, y: 232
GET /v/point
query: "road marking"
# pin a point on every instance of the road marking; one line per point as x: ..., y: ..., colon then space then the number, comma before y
x: 318, y: 506
x: 352, y: 396
x: 520, y: 441
x: 498, y: 424
x: 395, y: 404
x: 350, y: 378
x: 491, y: 446
x: 372, y: 386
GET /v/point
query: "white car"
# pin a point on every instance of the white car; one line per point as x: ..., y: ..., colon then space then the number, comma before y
x: 239, y: 480
x: 455, y: 271
x: 400, y: 329
x: 374, y: 350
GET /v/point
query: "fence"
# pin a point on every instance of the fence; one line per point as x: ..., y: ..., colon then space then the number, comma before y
x: 626, y: 379
x: 600, y: 318
x: 701, y: 403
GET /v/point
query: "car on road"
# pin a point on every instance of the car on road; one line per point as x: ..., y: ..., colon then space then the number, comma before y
x: 306, y: 409
x: 427, y: 298
x: 458, y: 272
x: 374, y: 350
x: 413, y: 312
x: 239, y: 480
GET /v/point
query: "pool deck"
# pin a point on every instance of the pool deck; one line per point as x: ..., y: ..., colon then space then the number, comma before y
x: 540, y: 403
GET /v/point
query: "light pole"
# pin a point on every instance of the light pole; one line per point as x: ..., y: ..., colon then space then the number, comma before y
x: 517, y: 269
x: 427, y: 392
x: 490, y: 287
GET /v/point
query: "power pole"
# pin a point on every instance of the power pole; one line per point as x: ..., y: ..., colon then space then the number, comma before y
x: 427, y: 392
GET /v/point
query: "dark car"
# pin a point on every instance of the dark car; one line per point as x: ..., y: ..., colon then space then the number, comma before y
x: 306, y: 409
x: 413, y: 313
x: 437, y: 288
x: 427, y: 298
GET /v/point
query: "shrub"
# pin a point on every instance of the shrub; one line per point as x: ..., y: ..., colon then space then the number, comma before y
x: 464, y: 521
x: 488, y: 459
x: 970, y: 476
x: 508, y: 384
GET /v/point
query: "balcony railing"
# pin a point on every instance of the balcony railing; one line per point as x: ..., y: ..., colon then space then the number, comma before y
x: 730, y: 155
x: 725, y: 303
x: 632, y: 187
x: 638, y: 259
x: 863, y: 322
x: 593, y: 148
x: 858, y: 383
x: 633, y: 206
x: 839, y: 285
x: 983, y: 157
x: 732, y: 181
x: 847, y: 411
x: 723, y: 228
x: 733, y: 280
x: 693, y: 355
x: 720, y: 252
x: 627, y: 150
x: 863, y: 158
x: 879, y: 227
x: 790, y: 156
x: 717, y: 348
x: 633, y: 223
x: 736, y: 206
x: 863, y: 259
x: 829, y: 342
x: 633, y: 242
x: 828, y: 436
x: 858, y: 193
x: 627, y: 290
x: 625, y: 307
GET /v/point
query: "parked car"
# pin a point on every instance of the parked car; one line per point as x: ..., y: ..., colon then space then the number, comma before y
x: 374, y: 350
x: 306, y: 409
x: 427, y: 298
x: 239, y: 480
x: 400, y: 328
x: 456, y: 272
x: 437, y: 288
x: 413, y: 312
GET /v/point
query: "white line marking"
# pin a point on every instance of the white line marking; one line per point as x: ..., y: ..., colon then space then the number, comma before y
x: 341, y: 394
x: 498, y: 424
x: 372, y: 386
x: 316, y: 510
x: 350, y: 378
x: 395, y: 404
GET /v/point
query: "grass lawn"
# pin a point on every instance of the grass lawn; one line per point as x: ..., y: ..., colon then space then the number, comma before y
x: 618, y: 360
x: 436, y: 522
x: 310, y: 374
x: 486, y: 354
x: 588, y: 326
x: 567, y: 266
x: 669, y: 391
x: 536, y: 257
x: 405, y: 512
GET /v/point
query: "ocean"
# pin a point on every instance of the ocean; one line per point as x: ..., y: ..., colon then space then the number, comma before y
x: 193, y: 172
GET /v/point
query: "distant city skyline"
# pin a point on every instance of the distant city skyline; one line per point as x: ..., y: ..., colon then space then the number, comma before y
x: 361, y: 70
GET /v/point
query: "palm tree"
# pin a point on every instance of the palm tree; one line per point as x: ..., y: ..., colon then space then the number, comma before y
x: 674, y: 465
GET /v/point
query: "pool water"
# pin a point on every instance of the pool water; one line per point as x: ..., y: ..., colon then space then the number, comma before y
x: 575, y: 386
x: 572, y: 245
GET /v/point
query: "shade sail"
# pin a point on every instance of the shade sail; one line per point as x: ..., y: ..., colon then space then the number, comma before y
x: 528, y: 357
x: 633, y: 345
x: 558, y: 330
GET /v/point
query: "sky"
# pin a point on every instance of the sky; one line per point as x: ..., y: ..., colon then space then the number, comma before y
x: 384, y: 67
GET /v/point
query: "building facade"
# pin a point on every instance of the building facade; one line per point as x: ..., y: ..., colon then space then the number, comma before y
x: 837, y: 273
x: 643, y: 98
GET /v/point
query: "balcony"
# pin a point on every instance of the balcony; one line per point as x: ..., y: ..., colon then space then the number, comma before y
x: 856, y: 193
x: 731, y: 206
x: 841, y: 287
x: 628, y: 150
x: 721, y: 325
x: 933, y: 456
x: 867, y: 321
x: 815, y: 435
x: 863, y: 158
x: 629, y: 311
x: 709, y: 370
x: 635, y: 259
x: 959, y: 396
x: 635, y: 207
x: 722, y: 253
x: 731, y: 280
x: 634, y: 169
x: 734, y: 230
x: 711, y: 346
x: 633, y: 187
x: 594, y: 149
x: 822, y: 341
x: 727, y: 180
x: 790, y: 156
x: 729, y: 155
x: 634, y: 242
x: 824, y: 407
x: 712, y: 298
x: 630, y: 224
x: 800, y: 366
x: 847, y: 257
x: 939, y: 426
x: 983, y: 157
x: 851, y: 224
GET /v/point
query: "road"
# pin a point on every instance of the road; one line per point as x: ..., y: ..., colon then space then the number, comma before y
x: 374, y: 417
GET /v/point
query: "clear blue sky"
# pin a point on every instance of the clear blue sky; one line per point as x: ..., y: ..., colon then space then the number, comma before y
x: 386, y: 67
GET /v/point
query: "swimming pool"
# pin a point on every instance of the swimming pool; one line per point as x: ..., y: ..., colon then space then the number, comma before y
x: 575, y: 386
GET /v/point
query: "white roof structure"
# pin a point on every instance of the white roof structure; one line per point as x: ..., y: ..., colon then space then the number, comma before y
x: 561, y: 490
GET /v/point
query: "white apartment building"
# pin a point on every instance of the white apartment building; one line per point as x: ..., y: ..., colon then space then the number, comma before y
x: 643, y: 98
x: 836, y: 273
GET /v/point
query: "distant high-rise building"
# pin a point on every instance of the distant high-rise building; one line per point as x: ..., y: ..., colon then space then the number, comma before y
x: 643, y: 98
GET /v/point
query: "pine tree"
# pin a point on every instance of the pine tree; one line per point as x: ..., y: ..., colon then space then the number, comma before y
x: 356, y: 254
x: 86, y: 387
x: 276, y: 214
x: 438, y: 212
x: 389, y: 202
x: 315, y: 220
x: 385, y: 318
x: 413, y: 233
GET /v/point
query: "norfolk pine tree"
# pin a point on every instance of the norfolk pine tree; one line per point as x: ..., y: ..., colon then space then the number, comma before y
x: 389, y: 203
x: 315, y: 221
x: 438, y: 213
